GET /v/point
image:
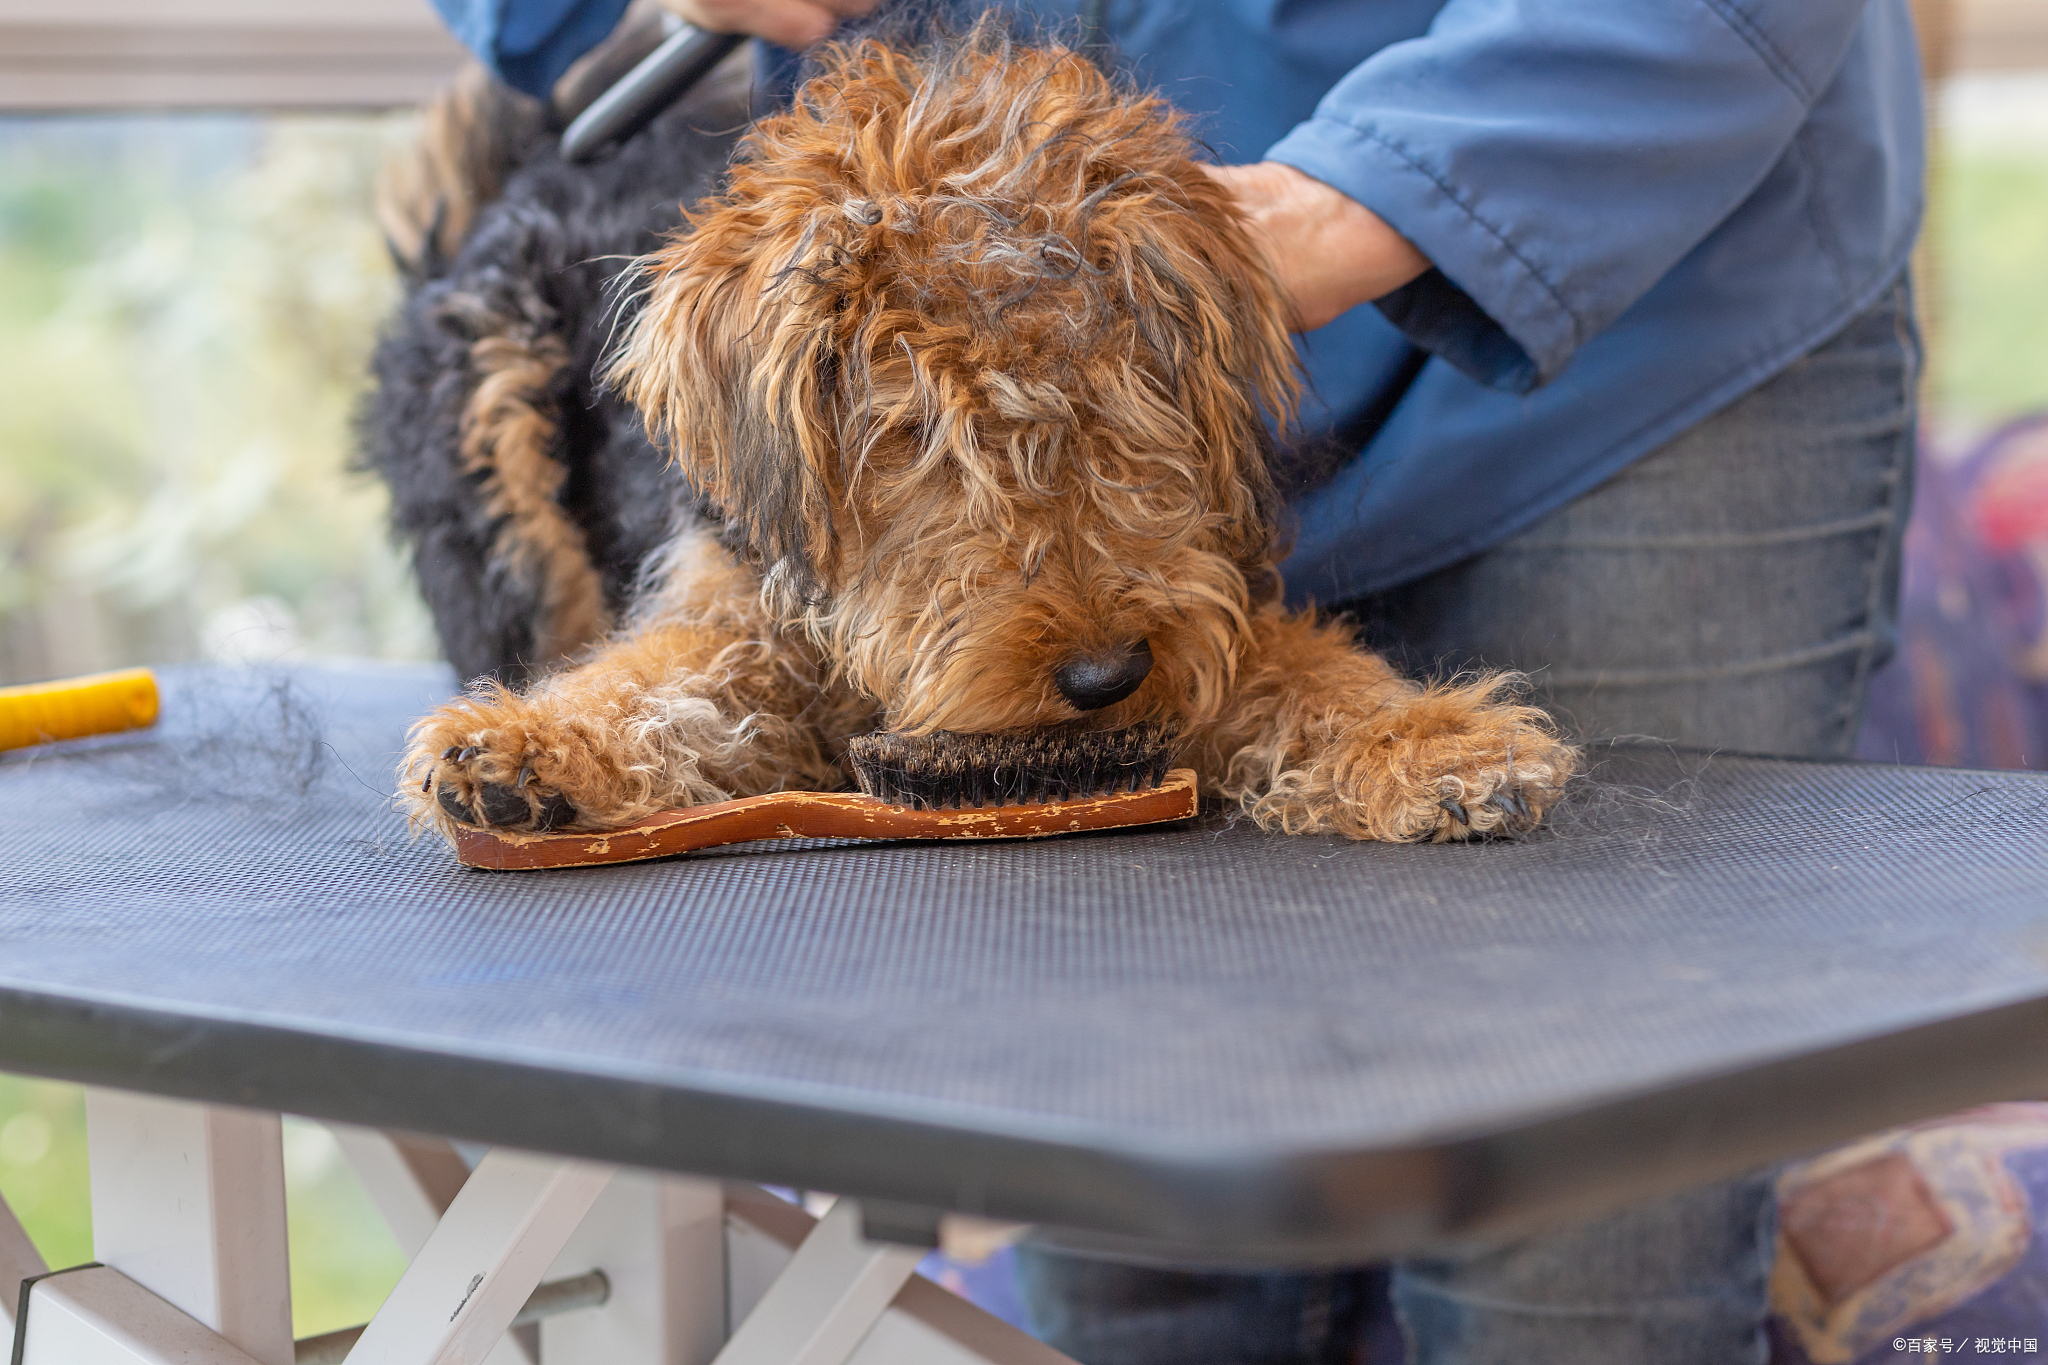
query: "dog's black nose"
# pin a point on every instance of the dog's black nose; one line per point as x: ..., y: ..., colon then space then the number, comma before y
x: 1094, y: 681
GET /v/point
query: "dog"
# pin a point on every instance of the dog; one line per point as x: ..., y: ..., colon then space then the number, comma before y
x: 945, y: 407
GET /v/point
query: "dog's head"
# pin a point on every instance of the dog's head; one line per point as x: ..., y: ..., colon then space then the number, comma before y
x: 974, y: 355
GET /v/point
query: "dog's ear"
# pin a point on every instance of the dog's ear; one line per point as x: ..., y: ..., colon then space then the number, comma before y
x: 731, y: 359
x: 1245, y: 309
x: 1207, y: 304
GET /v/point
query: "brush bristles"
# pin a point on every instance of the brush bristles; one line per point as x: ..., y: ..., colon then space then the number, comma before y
x: 936, y: 771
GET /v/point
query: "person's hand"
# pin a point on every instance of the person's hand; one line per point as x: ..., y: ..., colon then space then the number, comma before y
x: 792, y: 23
x: 1330, y: 252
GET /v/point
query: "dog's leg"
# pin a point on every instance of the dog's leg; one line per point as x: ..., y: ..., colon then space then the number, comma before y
x: 1321, y: 737
x: 704, y: 700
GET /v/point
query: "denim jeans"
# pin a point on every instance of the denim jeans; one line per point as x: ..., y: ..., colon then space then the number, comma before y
x: 1733, y: 589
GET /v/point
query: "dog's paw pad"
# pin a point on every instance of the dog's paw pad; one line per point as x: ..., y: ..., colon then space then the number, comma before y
x: 457, y: 808
x: 520, y: 808
x: 501, y: 805
x: 553, y: 812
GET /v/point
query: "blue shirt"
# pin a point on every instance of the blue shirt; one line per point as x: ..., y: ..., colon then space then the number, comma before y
x: 1637, y: 210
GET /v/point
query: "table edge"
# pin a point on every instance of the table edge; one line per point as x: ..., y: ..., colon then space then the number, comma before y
x: 1130, y: 1196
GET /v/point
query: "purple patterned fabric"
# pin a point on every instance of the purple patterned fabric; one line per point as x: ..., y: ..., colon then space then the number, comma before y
x: 1925, y: 1241
x: 1969, y: 685
x: 1932, y: 1241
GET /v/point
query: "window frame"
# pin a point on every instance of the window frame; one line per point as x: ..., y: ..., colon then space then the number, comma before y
x: 79, y: 55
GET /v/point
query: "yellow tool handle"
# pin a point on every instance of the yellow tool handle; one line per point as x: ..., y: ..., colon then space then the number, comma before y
x: 74, y: 707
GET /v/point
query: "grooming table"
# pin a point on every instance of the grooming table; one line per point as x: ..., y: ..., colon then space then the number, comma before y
x: 1196, y: 1043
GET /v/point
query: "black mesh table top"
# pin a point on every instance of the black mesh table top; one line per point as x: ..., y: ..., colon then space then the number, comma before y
x: 1196, y: 1041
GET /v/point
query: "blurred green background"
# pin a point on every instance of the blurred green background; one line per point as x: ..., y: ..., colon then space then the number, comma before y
x: 185, y: 308
x: 186, y: 304
x: 1991, y: 318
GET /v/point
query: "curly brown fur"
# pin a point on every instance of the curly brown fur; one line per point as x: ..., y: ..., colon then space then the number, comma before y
x: 508, y: 435
x: 973, y: 353
x: 974, y: 361
x: 701, y: 701
x: 1324, y: 738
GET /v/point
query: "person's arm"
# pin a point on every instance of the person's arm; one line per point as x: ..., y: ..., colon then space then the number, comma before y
x: 1544, y: 163
x: 530, y: 43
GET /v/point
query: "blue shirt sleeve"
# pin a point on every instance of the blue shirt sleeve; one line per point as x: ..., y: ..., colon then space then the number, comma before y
x: 530, y: 43
x: 1554, y: 158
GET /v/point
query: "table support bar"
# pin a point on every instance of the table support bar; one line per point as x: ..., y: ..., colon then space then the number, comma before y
x: 188, y: 1202
x: 486, y: 1256
x: 19, y: 1260
x: 834, y: 1290
x: 556, y: 1296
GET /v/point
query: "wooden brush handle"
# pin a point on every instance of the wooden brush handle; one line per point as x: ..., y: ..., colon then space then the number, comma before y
x: 75, y: 707
x: 822, y: 815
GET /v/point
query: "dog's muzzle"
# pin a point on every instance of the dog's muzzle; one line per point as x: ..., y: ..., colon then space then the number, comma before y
x: 1090, y: 682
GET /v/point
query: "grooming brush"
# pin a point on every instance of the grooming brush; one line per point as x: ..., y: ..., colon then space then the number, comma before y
x: 942, y: 786
x: 72, y: 708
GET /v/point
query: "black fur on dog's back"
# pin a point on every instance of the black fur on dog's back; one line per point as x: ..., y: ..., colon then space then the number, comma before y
x: 530, y: 497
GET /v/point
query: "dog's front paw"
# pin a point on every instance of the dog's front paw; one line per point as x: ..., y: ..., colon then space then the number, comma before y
x: 1469, y: 761
x: 1447, y: 763
x: 559, y: 758
x: 494, y: 760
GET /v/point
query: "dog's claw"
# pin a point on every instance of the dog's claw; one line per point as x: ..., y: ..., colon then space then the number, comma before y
x: 1458, y: 812
x: 525, y: 776
x: 448, y: 754
x: 1511, y: 802
x: 467, y: 753
x: 428, y: 784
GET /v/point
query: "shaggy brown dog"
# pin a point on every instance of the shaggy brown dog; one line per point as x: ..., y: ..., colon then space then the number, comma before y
x: 970, y: 358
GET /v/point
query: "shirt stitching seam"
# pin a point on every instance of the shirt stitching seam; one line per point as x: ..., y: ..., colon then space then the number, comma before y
x: 1760, y: 43
x: 1498, y: 234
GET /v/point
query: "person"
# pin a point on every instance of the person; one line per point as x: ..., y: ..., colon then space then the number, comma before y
x: 1604, y: 311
